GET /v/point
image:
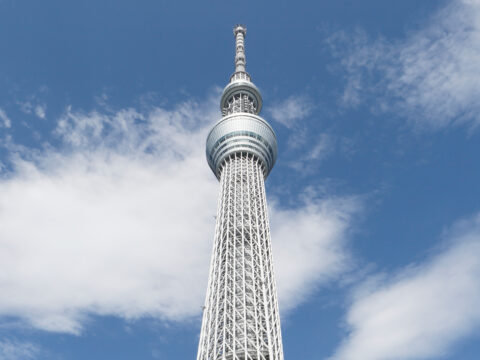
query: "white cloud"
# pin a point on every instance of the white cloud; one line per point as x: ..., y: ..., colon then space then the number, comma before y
x: 120, y: 221
x: 3, y: 117
x: 102, y: 228
x: 26, y: 107
x: 309, y: 244
x: 421, y: 312
x: 291, y: 110
x: 40, y: 111
x: 33, y: 106
x: 311, y: 150
x: 322, y: 146
x: 431, y: 77
x: 12, y: 350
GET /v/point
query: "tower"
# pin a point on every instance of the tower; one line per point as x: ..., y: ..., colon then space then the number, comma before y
x: 241, y: 319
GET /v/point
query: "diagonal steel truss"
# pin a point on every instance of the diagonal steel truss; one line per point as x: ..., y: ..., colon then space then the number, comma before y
x: 241, y: 319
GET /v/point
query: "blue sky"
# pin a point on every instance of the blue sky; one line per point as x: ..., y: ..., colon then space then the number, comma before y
x: 107, y: 203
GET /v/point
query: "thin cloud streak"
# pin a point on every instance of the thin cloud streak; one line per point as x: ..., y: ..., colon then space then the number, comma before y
x: 422, y: 311
x: 40, y: 111
x: 308, y: 161
x: 14, y: 350
x: 5, y: 119
x: 311, y: 151
x: 291, y: 110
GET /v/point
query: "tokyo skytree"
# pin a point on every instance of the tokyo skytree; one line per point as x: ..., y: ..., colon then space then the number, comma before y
x: 241, y: 319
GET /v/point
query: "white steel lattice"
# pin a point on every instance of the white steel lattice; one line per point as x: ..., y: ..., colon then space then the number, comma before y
x: 241, y: 319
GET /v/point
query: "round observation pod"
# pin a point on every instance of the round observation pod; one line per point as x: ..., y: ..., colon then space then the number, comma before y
x: 241, y: 133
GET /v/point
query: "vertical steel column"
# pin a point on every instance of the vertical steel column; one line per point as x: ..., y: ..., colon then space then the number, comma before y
x: 241, y: 319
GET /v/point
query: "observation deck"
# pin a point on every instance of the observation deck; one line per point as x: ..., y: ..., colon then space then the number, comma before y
x: 241, y: 129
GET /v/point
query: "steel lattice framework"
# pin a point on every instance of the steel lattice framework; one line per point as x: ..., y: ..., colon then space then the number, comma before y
x: 241, y: 318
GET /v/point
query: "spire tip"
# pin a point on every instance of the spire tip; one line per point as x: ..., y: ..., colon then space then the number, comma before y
x: 239, y: 31
x: 239, y: 28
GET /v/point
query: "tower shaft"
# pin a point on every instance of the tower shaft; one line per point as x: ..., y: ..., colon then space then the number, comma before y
x: 241, y: 319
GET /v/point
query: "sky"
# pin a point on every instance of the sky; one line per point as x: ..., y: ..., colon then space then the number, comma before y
x: 107, y: 204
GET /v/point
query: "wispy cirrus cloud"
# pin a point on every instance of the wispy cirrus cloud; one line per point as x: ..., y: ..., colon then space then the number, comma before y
x: 5, y: 119
x: 289, y: 111
x: 312, y: 149
x: 431, y: 77
x: 422, y: 311
x: 33, y: 103
x: 119, y: 219
x: 14, y: 350
x: 40, y: 111
x: 37, y: 109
